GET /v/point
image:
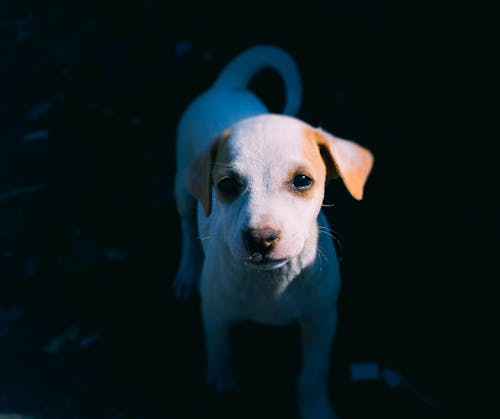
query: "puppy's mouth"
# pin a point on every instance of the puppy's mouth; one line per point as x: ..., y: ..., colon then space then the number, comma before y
x: 259, y: 261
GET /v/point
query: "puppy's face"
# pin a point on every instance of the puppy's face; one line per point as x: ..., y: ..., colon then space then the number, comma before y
x: 267, y: 175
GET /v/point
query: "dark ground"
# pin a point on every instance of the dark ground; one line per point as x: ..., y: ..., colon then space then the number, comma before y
x: 89, y: 239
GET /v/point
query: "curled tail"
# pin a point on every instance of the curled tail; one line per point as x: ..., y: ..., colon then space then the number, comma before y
x: 238, y: 73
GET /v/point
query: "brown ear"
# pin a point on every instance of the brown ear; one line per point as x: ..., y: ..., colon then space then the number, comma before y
x: 198, y: 175
x: 349, y: 160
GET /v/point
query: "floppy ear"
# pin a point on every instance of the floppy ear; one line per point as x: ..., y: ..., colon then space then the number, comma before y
x: 346, y: 159
x: 198, y: 175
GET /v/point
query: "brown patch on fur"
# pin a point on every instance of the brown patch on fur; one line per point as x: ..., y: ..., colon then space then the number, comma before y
x: 199, y: 172
x: 314, y: 169
x: 222, y: 168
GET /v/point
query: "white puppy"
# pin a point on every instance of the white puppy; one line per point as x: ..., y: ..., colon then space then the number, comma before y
x: 266, y: 253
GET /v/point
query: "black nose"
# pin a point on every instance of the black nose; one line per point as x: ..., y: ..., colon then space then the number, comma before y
x: 260, y: 240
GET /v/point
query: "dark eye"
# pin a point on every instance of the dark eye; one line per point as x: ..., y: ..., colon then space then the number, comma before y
x: 229, y: 186
x: 302, y: 182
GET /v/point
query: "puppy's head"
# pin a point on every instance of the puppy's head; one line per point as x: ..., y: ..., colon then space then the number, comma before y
x: 265, y: 176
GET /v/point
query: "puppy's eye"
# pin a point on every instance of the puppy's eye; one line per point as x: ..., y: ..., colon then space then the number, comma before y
x: 229, y: 186
x: 302, y: 182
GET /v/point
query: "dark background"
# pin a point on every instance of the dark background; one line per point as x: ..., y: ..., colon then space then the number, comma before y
x: 89, y: 241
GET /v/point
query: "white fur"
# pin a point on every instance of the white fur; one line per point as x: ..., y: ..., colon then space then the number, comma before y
x: 298, y: 279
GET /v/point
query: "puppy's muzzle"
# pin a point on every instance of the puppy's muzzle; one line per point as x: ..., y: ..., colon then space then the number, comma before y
x: 260, y: 242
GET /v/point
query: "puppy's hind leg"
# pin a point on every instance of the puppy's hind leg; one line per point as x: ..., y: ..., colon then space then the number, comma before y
x: 188, y: 275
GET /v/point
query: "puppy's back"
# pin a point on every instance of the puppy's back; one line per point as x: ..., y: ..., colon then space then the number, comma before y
x: 229, y: 100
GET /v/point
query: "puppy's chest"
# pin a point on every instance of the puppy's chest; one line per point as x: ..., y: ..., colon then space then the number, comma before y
x: 265, y: 302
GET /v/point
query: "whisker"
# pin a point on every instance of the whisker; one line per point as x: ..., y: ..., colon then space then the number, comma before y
x: 335, y: 235
x: 322, y: 254
x: 325, y: 230
x: 328, y: 205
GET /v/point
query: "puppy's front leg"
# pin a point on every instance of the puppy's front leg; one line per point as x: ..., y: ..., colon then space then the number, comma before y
x: 218, y: 347
x: 317, y: 337
x: 188, y: 275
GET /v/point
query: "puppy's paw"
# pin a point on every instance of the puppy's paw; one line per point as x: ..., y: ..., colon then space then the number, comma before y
x: 222, y: 378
